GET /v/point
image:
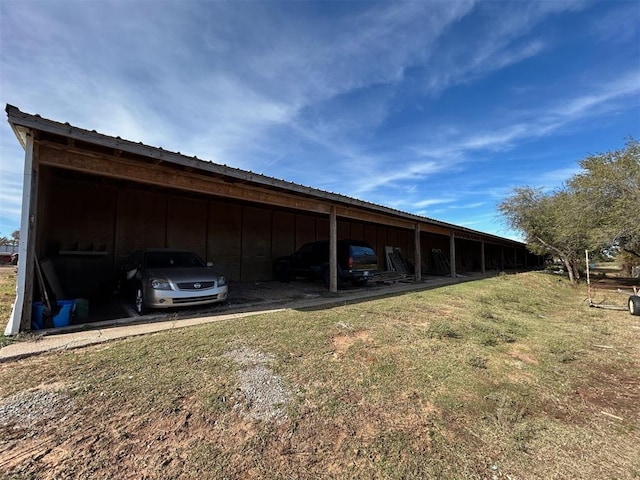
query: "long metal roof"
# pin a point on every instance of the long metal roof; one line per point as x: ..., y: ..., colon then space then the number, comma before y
x: 22, y: 122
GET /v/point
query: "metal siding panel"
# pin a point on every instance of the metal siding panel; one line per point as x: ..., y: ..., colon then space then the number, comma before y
x: 224, y: 241
x: 344, y: 230
x: 322, y: 229
x: 80, y: 215
x: 371, y: 235
x: 283, y: 234
x: 305, y: 230
x: 141, y: 220
x: 187, y: 224
x: 357, y: 231
x: 256, y: 244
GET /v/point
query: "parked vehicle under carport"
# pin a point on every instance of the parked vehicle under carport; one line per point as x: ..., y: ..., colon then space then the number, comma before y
x: 357, y: 262
x: 165, y: 278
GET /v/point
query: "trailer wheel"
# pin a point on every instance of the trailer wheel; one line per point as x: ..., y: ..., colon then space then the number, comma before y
x: 634, y: 305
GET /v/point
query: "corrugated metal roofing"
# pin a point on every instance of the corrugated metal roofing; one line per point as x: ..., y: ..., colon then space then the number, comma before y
x: 21, y: 122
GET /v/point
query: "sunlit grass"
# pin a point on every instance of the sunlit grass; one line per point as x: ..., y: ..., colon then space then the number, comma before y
x: 491, y: 377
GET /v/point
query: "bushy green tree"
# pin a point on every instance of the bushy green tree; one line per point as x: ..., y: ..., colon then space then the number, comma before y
x: 549, y: 224
x: 609, y: 190
x: 597, y: 210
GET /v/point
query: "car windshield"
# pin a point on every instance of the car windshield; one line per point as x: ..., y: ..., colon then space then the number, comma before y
x: 172, y: 260
x: 358, y: 251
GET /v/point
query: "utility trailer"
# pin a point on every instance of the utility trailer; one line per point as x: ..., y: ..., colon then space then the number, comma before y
x: 620, y: 286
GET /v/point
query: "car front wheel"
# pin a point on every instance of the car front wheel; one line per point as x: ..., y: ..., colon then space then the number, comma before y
x: 634, y: 305
x: 140, y: 308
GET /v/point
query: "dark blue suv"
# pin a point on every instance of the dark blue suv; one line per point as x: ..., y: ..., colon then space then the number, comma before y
x: 357, y: 262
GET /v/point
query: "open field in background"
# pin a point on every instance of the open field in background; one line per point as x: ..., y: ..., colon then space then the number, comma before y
x: 509, y: 377
x: 8, y: 276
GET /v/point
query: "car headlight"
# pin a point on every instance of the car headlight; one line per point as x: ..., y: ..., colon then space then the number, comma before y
x: 222, y: 281
x: 160, y: 284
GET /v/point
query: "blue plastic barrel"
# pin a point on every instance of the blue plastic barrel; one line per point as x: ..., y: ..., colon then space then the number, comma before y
x: 63, y: 318
x: 36, y: 315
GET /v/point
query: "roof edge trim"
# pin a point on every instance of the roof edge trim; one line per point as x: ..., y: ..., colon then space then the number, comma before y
x: 20, y: 120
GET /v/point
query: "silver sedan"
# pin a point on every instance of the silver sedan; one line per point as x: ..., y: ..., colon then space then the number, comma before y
x: 163, y: 278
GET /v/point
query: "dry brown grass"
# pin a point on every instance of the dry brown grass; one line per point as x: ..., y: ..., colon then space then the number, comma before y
x: 500, y: 377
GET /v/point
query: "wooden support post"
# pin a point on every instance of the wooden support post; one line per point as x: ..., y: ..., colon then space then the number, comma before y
x: 333, y: 251
x: 502, y: 258
x: 418, y: 254
x: 483, y: 268
x: 20, y: 318
x: 452, y: 256
x: 515, y: 258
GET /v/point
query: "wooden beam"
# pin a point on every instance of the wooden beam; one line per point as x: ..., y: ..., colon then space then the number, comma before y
x: 333, y: 251
x: 466, y: 236
x: 429, y: 228
x: 483, y: 267
x: 194, y: 175
x: 25, y: 323
x: 372, y: 217
x: 389, y: 220
x: 418, y: 253
x: 162, y: 175
x: 20, y: 319
x: 452, y: 250
x: 79, y: 139
x: 120, y: 168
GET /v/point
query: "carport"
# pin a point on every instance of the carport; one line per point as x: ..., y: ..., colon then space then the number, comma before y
x: 90, y: 199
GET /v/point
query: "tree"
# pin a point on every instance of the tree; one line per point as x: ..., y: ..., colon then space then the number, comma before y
x: 597, y: 210
x: 549, y: 224
x: 14, y: 239
x: 609, y: 190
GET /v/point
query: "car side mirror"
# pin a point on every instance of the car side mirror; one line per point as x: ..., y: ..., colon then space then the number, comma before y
x: 209, y: 264
x: 131, y: 273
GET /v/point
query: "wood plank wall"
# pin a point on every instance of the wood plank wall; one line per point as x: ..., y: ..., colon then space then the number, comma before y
x: 84, y: 213
x: 88, y: 214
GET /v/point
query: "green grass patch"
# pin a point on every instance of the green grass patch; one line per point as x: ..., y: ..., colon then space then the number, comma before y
x: 8, y: 278
x: 483, y: 378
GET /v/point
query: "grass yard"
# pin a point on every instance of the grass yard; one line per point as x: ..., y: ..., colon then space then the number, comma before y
x: 8, y: 278
x: 512, y: 377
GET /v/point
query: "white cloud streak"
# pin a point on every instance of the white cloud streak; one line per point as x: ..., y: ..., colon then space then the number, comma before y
x: 293, y: 91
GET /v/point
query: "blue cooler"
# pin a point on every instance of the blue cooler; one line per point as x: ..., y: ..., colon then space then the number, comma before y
x: 62, y: 319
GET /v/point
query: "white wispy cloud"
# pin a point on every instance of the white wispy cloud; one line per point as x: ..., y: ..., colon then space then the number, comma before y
x: 289, y: 90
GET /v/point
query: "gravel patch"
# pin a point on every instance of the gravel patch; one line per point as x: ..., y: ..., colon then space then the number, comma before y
x: 26, y: 408
x: 261, y: 394
x: 248, y: 357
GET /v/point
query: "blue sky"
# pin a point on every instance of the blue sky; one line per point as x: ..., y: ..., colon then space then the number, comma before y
x: 438, y: 108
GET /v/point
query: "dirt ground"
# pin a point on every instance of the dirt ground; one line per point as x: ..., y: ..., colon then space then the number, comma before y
x: 62, y: 429
x: 609, y: 288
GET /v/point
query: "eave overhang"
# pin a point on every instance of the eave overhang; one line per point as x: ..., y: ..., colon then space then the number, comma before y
x: 23, y: 124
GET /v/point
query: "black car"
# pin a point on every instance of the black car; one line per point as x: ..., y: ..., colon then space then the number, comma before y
x: 357, y: 262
